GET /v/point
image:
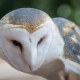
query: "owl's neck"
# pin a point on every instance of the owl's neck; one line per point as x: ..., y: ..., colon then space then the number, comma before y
x: 49, y: 68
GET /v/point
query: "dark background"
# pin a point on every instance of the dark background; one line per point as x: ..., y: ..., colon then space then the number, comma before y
x: 69, y: 9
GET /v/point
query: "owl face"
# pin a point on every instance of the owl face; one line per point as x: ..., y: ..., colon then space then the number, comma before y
x: 23, y: 50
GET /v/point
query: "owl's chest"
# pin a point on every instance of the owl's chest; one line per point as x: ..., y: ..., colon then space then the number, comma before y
x: 50, y: 68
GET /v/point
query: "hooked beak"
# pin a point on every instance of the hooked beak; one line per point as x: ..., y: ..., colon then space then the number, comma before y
x: 30, y: 67
x: 31, y: 57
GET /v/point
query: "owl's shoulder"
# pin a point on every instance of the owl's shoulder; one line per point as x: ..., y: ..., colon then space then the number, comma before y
x: 70, y: 33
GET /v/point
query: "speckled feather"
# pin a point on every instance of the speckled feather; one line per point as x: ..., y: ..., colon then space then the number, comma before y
x: 71, y: 36
x: 29, y: 17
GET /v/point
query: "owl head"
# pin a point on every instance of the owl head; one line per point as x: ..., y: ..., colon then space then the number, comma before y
x: 25, y: 38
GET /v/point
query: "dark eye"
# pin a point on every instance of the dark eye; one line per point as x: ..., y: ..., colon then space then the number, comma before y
x: 16, y: 43
x: 40, y: 40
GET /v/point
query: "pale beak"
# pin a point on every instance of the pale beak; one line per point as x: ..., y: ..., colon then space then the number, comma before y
x: 31, y: 57
x: 30, y: 67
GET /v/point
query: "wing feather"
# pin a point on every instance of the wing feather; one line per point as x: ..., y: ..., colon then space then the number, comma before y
x: 71, y: 36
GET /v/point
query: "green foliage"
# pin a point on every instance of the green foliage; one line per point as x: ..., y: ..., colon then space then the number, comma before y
x: 69, y: 9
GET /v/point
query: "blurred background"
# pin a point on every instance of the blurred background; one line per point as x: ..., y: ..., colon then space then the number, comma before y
x: 69, y: 9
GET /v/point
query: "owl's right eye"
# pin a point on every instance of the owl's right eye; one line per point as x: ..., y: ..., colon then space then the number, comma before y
x: 16, y: 43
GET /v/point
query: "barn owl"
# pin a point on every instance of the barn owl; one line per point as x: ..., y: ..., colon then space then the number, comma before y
x: 27, y: 39
x: 30, y: 39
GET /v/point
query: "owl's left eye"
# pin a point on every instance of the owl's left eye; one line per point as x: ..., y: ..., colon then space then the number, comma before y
x: 40, y: 41
x: 16, y: 43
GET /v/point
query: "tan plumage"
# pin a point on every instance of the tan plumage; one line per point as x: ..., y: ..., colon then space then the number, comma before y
x: 71, y: 35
